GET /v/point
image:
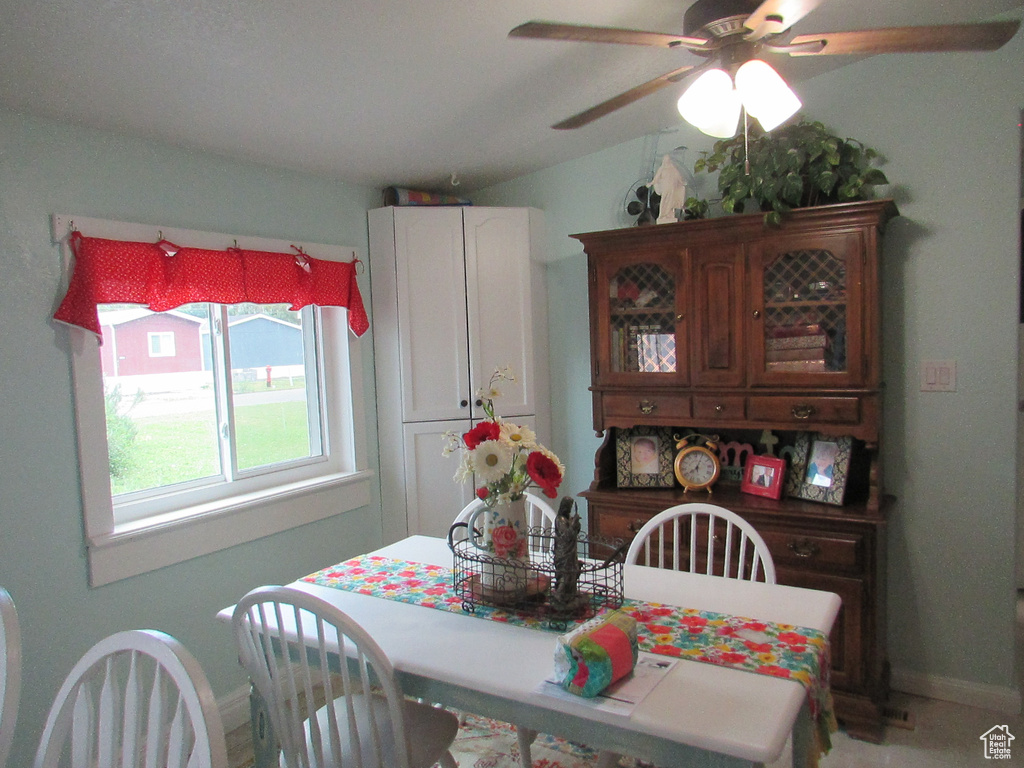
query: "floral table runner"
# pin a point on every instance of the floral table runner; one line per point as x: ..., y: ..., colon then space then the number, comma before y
x: 763, y: 647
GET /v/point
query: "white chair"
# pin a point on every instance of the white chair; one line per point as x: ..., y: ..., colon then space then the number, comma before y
x: 10, y: 673
x: 286, y: 638
x: 699, y: 538
x: 540, y: 516
x: 136, y: 699
x: 703, y: 538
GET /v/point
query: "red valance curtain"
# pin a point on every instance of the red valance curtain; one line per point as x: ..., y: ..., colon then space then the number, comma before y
x: 163, y: 276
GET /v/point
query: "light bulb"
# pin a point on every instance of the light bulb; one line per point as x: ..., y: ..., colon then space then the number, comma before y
x: 711, y: 104
x: 765, y: 94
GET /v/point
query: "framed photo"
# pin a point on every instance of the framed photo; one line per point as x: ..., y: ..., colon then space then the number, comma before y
x: 643, y: 457
x: 821, y: 464
x: 764, y: 476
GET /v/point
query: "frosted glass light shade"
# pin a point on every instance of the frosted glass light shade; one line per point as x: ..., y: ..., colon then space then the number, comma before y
x: 765, y: 94
x: 711, y: 104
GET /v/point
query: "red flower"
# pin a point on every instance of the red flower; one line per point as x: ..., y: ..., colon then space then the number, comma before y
x: 667, y: 650
x: 792, y: 638
x: 544, y: 472
x: 775, y: 671
x: 485, y: 430
x: 731, y: 657
x: 482, y: 492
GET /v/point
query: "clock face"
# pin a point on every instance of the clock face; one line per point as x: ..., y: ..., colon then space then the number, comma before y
x: 696, y: 468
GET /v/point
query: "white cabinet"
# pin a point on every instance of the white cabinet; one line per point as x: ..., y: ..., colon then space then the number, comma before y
x: 455, y: 293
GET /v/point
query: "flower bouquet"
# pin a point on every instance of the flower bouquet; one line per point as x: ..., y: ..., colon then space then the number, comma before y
x: 504, y: 459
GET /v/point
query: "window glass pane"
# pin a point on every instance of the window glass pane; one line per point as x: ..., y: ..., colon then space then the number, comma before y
x: 159, y: 396
x: 805, y: 313
x: 643, y: 330
x: 273, y: 383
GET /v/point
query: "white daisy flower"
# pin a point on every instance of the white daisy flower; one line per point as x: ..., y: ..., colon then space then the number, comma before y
x: 518, y: 437
x: 491, y: 461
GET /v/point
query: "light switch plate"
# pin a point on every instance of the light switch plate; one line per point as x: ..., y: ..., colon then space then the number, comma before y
x: 938, y: 375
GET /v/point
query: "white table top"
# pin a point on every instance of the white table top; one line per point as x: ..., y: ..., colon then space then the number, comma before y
x: 492, y: 669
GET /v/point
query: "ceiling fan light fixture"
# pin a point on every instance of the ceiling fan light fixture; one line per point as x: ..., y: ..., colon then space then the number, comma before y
x: 765, y: 94
x: 711, y: 104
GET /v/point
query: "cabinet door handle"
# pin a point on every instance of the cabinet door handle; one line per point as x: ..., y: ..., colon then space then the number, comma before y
x: 756, y: 313
x: 804, y: 548
x: 463, y: 403
x: 719, y: 408
x: 479, y: 403
x: 647, y: 407
x: 635, y: 525
x: 803, y: 411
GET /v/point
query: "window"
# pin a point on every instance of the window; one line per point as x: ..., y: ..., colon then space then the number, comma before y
x: 161, y: 344
x: 215, y: 418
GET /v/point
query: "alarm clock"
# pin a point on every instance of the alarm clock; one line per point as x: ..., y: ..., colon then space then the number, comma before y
x: 697, y: 467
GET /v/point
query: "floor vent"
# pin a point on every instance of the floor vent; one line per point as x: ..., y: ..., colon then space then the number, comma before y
x: 898, y: 718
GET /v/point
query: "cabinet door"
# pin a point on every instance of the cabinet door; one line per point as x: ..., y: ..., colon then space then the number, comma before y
x: 638, y: 320
x: 499, y: 301
x: 434, y: 349
x: 719, y: 278
x: 433, y: 498
x: 807, y: 299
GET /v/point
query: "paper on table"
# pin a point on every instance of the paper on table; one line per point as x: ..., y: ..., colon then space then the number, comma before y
x: 621, y: 697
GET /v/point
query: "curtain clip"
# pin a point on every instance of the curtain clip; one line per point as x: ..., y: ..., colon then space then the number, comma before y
x: 301, y: 259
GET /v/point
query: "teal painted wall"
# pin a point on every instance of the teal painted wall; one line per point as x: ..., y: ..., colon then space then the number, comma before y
x: 948, y: 124
x: 50, y: 168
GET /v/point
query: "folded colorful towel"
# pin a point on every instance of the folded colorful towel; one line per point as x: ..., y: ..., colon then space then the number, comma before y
x: 596, y: 654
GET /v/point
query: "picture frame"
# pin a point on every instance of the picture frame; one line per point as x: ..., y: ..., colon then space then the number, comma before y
x: 643, y: 457
x: 820, y: 467
x: 764, y: 476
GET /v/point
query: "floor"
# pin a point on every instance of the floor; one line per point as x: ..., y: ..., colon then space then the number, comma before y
x: 937, y: 734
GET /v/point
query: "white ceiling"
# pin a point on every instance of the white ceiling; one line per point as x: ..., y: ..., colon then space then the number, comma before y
x: 374, y: 92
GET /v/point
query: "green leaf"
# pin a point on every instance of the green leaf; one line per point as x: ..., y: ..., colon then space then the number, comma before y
x: 874, y: 176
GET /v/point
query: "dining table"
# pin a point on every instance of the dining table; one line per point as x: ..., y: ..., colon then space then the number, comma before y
x: 699, y: 714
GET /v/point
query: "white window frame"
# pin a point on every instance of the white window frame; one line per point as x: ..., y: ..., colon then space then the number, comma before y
x: 162, y: 342
x: 117, y: 551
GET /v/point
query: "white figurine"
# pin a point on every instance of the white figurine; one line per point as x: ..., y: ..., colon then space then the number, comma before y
x: 669, y: 183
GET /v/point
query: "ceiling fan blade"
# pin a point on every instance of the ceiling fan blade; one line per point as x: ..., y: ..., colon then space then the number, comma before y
x: 623, y: 99
x: 549, y: 30
x: 773, y: 17
x: 952, y: 37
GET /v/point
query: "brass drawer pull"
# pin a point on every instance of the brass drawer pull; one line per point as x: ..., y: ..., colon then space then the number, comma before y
x: 719, y: 408
x: 647, y: 407
x: 634, y: 526
x: 803, y: 411
x: 804, y: 548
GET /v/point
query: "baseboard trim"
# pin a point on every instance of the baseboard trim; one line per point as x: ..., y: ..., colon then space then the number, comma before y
x: 234, y: 708
x: 1005, y: 699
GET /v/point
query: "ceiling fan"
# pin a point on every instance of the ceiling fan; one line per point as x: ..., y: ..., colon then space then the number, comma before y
x: 733, y: 34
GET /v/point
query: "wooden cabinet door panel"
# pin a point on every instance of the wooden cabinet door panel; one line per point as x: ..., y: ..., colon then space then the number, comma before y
x: 846, y: 637
x: 717, y: 316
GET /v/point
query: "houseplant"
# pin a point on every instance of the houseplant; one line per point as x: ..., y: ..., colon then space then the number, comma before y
x: 796, y: 166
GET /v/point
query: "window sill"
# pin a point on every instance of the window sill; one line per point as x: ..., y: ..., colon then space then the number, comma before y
x: 140, y: 547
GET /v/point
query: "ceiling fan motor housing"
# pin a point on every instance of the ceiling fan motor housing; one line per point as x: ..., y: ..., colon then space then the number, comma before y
x: 717, y: 18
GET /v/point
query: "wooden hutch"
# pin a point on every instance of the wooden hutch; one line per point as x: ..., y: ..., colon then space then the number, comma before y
x: 681, y: 319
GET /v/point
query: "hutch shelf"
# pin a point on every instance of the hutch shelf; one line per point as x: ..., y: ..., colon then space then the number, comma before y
x: 752, y: 333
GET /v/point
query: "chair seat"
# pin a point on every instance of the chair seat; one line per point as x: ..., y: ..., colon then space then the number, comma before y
x: 429, y: 731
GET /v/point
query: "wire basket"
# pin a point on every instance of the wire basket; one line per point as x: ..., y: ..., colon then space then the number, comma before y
x: 529, y: 586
